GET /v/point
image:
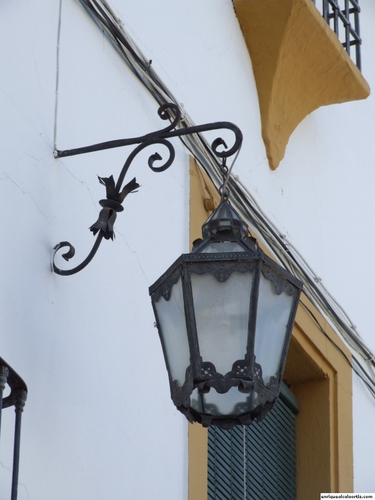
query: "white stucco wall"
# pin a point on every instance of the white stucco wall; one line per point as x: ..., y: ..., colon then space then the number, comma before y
x: 99, y: 422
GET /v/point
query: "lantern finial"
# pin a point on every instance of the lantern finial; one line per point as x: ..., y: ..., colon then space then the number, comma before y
x: 225, y: 220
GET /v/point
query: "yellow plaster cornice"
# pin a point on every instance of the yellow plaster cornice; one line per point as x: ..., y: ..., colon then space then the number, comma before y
x: 299, y: 65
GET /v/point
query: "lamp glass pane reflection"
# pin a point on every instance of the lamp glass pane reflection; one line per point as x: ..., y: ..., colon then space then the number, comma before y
x: 272, y: 321
x: 171, y: 314
x: 222, y: 317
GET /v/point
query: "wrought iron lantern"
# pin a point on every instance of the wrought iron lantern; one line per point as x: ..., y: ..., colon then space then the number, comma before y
x: 225, y: 314
x: 225, y: 311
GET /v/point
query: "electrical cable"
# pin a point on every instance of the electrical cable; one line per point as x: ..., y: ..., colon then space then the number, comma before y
x: 57, y: 76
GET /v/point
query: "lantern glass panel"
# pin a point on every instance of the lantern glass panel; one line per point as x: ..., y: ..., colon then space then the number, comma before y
x: 222, y: 317
x: 172, y: 326
x: 271, y: 327
x: 232, y: 402
x: 223, y: 247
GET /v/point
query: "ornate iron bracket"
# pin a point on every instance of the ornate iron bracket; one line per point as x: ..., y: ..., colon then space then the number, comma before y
x: 115, y: 194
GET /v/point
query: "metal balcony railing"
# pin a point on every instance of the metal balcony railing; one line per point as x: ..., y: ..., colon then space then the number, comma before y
x: 343, y: 17
x: 17, y: 398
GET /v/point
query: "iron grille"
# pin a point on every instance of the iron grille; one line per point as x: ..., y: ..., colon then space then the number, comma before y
x: 16, y: 398
x: 343, y: 17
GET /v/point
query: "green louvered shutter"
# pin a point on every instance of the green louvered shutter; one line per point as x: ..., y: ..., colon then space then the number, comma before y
x: 256, y: 462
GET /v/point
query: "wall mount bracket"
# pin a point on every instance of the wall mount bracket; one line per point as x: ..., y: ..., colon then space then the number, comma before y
x: 116, y: 194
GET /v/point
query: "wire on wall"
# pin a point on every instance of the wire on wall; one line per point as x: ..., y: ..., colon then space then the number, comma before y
x: 57, y: 76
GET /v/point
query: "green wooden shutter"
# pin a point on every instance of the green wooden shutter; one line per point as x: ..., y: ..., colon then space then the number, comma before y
x: 256, y: 462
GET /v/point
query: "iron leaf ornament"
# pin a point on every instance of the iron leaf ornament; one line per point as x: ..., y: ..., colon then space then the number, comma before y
x: 111, y: 205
